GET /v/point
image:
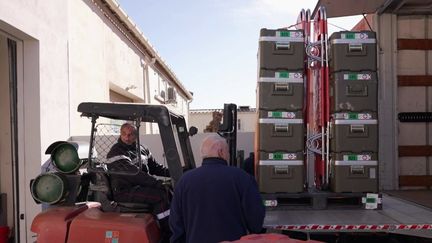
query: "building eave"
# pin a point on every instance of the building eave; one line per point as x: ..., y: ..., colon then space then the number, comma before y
x: 133, y: 29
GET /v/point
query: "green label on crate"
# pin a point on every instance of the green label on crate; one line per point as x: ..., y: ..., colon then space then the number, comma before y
x: 276, y: 114
x: 354, y: 36
x: 371, y: 200
x: 288, y: 75
x: 276, y: 156
x: 360, y: 76
x: 283, y: 74
x: 284, y: 33
x: 289, y: 34
x: 350, y: 76
x: 352, y: 116
x: 349, y: 36
x: 357, y: 157
x: 282, y: 156
x: 281, y: 114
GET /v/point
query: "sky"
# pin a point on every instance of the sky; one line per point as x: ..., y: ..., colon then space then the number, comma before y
x: 212, y: 45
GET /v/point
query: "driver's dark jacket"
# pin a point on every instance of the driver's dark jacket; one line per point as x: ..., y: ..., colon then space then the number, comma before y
x: 117, y: 161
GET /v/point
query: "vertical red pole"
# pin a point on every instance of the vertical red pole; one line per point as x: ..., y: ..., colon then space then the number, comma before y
x: 320, y: 31
x: 318, y: 95
x: 326, y: 71
x: 326, y: 79
x: 306, y: 22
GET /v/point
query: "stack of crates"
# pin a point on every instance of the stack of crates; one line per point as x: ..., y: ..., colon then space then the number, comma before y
x: 353, y: 108
x: 280, y: 95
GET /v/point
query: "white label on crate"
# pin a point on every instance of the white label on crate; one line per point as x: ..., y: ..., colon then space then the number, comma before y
x: 357, y: 36
x: 372, y: 173
x: 357, y: 162
x: 357, y: 157
x: 281, y: 39
x: 284, y: 77
x: 281, y: 114
x: 364, y: 116
x: 282, y: 156
x: 353, y: 116
x: 280, y: 162
x: 371, y: 201
x: 288, y: 75
x: 289, y: 34
x: 280, y: 121
x: 270, y: 203
x: 357, y: 76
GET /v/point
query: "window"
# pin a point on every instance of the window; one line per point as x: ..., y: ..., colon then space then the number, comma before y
x: 172, y: 96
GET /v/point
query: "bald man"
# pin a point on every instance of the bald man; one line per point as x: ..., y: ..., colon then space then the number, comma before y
x: 140, y: 187
x: 215, y: 202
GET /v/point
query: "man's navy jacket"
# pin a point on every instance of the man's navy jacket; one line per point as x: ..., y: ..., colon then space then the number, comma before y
x: 215, y: 202
x: 122, y: 156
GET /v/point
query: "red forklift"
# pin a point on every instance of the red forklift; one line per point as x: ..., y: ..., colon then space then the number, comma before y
x: 77, y: 191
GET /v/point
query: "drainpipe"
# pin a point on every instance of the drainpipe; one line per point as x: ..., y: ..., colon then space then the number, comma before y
x: 188, y: 111
x: 146, y: 77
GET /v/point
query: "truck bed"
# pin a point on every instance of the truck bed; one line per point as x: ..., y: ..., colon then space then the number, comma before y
x: 396, y: 216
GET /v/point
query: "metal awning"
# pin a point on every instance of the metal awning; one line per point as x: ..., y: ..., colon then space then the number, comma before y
x: 340, y: 8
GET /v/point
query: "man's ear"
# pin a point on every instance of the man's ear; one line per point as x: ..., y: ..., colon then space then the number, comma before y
x: 220, y: 153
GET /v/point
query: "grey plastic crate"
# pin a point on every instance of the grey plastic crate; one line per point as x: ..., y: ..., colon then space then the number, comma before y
x: 353, y: 51
x: 353, y: 91
x: 280, y: 172
x: 354, y: 172
x: 354, y: 132
x: 281, y: 49
x: 280, y: 90
x: 280, y: 130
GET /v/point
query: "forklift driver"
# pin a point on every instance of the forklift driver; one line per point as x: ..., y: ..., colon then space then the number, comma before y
x: 140, y: 187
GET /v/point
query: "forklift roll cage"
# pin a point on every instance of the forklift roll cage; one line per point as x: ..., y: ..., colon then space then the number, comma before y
x: 160, y: 114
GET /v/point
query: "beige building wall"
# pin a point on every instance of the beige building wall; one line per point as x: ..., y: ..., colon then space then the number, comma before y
x: 246, y: 120
x: 200, y: 120
x: 5, y: 131
x: 40, y: 31
x: 103, y: 59
x: 68, y: 52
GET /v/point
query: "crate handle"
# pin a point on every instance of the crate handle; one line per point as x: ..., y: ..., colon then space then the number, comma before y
x: 357, y: 169
x: 357, y: 90
x: 281, y: 87
x: 355, y: 47
x: 281, y: 170
x: 283, y: 46
x: 357, y: 128
x: 281, y: 128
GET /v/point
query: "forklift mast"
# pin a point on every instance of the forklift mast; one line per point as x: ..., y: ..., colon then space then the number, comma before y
x: 228, y: 130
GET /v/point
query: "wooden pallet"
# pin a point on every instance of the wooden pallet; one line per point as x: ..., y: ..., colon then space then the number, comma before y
x: 315, y: 200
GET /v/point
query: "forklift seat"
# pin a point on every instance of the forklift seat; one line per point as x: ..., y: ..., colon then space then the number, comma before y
x: 101, y: 188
